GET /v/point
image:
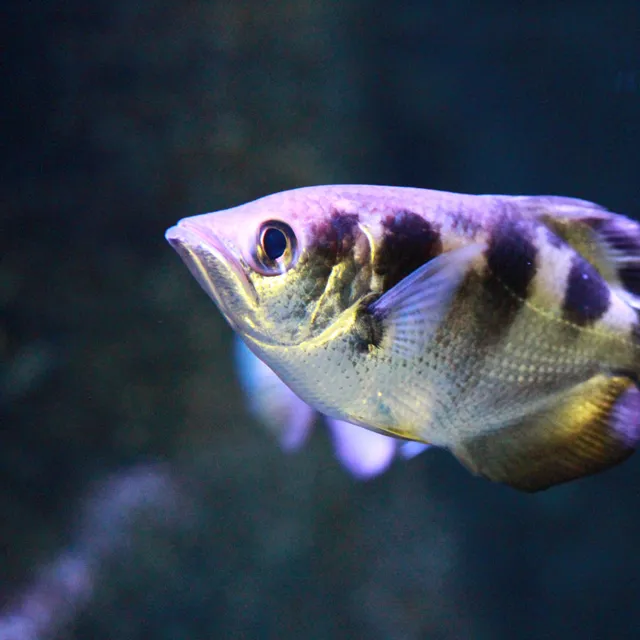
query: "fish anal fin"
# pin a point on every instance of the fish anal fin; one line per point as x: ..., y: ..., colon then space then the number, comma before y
x: 591, y: 429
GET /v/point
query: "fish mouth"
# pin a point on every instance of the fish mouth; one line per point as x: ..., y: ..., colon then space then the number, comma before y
x: 217, y: 269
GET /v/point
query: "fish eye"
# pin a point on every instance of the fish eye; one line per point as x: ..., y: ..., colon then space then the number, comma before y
x: 274, y: 242
x: 276, y: 247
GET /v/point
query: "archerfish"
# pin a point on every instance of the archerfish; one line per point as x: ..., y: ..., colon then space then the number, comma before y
x: 503, y: 328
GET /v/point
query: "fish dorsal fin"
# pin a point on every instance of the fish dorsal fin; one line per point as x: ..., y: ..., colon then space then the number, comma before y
x: 412, y: 311
x: 609, y: 241
x: 589, y: 430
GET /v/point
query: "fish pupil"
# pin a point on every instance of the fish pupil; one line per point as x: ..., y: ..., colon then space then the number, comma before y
x: 274, y: 243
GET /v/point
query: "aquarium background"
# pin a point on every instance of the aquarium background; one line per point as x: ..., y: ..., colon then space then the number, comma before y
x: 138, y: 496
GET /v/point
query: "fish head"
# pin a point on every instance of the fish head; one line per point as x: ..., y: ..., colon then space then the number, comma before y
x: 282, y: 268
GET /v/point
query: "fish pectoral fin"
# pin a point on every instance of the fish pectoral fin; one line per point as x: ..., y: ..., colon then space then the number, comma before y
x: 411, y: 312
x: 593, y: 428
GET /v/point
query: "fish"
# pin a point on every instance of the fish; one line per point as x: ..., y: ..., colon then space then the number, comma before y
x: 363, y: 453
x: 502, y: 328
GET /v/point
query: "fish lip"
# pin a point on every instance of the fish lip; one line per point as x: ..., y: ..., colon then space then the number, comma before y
x: 186, y: 230
x: 193, y: 243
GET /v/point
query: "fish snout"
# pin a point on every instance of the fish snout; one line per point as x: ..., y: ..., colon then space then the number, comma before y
x: 215, y: 266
